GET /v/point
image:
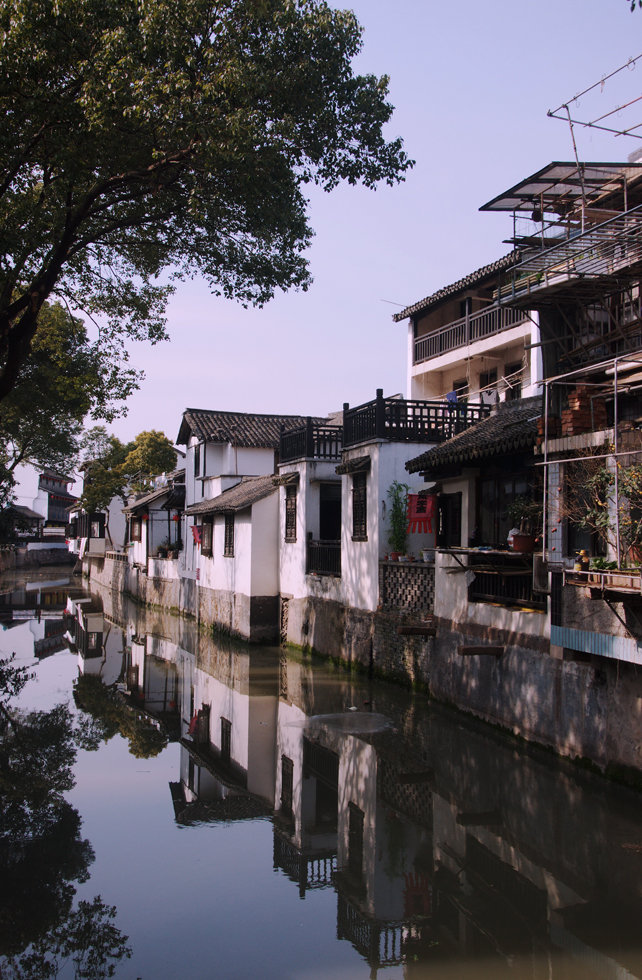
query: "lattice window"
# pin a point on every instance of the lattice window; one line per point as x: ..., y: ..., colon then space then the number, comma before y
x: 359, y: 507
x: 206, y: 539
x: 135, y: 530
x: 290, y: 513
x: 228, y: 548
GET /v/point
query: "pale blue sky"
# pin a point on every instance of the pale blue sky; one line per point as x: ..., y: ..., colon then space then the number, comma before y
x: 471, y: 83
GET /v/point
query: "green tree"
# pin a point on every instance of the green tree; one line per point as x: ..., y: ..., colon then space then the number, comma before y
x: 142, y: 135
x: 73, y: 378
x: 113, y: 468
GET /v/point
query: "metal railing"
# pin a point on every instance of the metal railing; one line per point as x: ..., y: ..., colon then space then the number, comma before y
x: 323, y: 557
x: 605, y: 250
x: 405, y: 420
x: 466, y: 330
x: 312, y: 441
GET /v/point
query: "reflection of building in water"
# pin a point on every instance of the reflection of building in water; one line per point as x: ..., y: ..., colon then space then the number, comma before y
x: 228, y: 718
x: 346, y: 808
x: 514, y: 878
x: 97, y: 641
x: 152, y: 679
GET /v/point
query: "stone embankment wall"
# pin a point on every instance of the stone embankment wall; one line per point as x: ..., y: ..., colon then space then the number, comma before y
x: 583, y: 708
x: 252, y: 618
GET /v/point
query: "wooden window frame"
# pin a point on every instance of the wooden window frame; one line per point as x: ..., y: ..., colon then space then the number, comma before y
x: 360, y: 506
x: 290, y: 513
x: 207, y: 538
x: 228, y: 545
x: 136, y: 529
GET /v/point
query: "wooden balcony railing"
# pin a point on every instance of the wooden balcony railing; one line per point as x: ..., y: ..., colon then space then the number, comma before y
x: 505, y: 578
x: 323, y: 557
x: 403, y: 420
x: 310, y: 441
x: 466, y: 330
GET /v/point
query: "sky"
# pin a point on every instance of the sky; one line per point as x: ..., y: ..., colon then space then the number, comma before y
x: 471, y: 84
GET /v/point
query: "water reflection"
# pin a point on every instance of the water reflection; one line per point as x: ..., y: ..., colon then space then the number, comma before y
x: 42, y: 853
x: 442, y: 849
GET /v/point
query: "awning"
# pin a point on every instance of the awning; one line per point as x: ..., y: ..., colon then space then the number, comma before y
x: 359, y: 465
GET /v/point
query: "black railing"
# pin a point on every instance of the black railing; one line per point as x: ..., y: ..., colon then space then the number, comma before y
x: 323, y: 557
x: 312, y: 440
x: 506, y: 579
x: 405, y: 420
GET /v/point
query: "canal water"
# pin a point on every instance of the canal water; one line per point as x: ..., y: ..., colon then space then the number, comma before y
x: 206, y: 809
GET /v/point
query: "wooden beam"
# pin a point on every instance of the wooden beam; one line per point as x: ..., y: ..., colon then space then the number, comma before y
x: 416, y: 631
x: 481, y: 651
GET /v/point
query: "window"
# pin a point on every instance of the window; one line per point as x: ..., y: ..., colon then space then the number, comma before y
x: 228, y: 547
x: 206, y: 539
x: 330, y: 512
x: 513, y: 375
x: 290, y: 513
x: 197, y: 460
x: 136, y: 526
x: 359, y: 507
x: 449, y: 520
x: 488, y: 387
x: 356, y: 819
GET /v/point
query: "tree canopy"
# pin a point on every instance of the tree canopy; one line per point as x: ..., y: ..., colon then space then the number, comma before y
x: 113, y: 468
x: 71, y: 378
x: 143, y: 135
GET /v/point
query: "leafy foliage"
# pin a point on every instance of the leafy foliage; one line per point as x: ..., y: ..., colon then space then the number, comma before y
x: 140, y: 136
x: 591, y: 504
x: 398, y: 532
x: 73, y: 378
x: 112, y: 468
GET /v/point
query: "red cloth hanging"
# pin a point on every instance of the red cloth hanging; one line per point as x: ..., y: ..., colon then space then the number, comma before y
x: 422, y: 508
x: 196, y: 532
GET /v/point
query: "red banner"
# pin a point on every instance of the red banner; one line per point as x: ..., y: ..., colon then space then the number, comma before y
x: 421, y: 511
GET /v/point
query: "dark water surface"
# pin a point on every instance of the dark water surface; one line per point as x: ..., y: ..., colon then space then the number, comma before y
x: 250, y: 813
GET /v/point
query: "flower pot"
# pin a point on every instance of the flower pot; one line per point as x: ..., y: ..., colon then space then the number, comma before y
x: 523, y: 542
x: 428, y: 554
x: 394, y: 555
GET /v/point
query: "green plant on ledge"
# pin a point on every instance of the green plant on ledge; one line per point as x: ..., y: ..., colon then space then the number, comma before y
x: 525, y: 513
x: 398, y: 518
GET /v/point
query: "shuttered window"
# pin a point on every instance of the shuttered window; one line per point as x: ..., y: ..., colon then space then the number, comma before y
x: 359, y: 508
x: 290, y: 513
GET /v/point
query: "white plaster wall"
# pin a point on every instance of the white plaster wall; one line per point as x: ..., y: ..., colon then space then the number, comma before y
x: 264, y: 545
x: 451, y: 603
x: 229, y: 574
x: 360, y: 559
x: 115, y: 525
x: 292, y: 555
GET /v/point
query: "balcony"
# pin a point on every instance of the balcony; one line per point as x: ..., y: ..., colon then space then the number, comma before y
x: 323, y: 558
x: 405, y: 420
x: 467, y: 330
x: 310, y: 441
x: 606, y: 255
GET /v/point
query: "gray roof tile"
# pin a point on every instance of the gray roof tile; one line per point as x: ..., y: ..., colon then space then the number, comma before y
x: 512, y: 428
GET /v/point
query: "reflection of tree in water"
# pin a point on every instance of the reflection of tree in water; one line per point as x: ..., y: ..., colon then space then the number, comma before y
x: 42, y: 853
x: 112, y: 715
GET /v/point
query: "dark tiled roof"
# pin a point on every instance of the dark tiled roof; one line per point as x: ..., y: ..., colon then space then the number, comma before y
x: 175, y: 493
x: 238, y: 428
x: 512, y: 428
x: 472, y: 279
x: 250, y: 490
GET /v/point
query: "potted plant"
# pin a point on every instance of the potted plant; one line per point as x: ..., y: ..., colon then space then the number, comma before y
x: 398, y: 519
x: 525, y: 515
